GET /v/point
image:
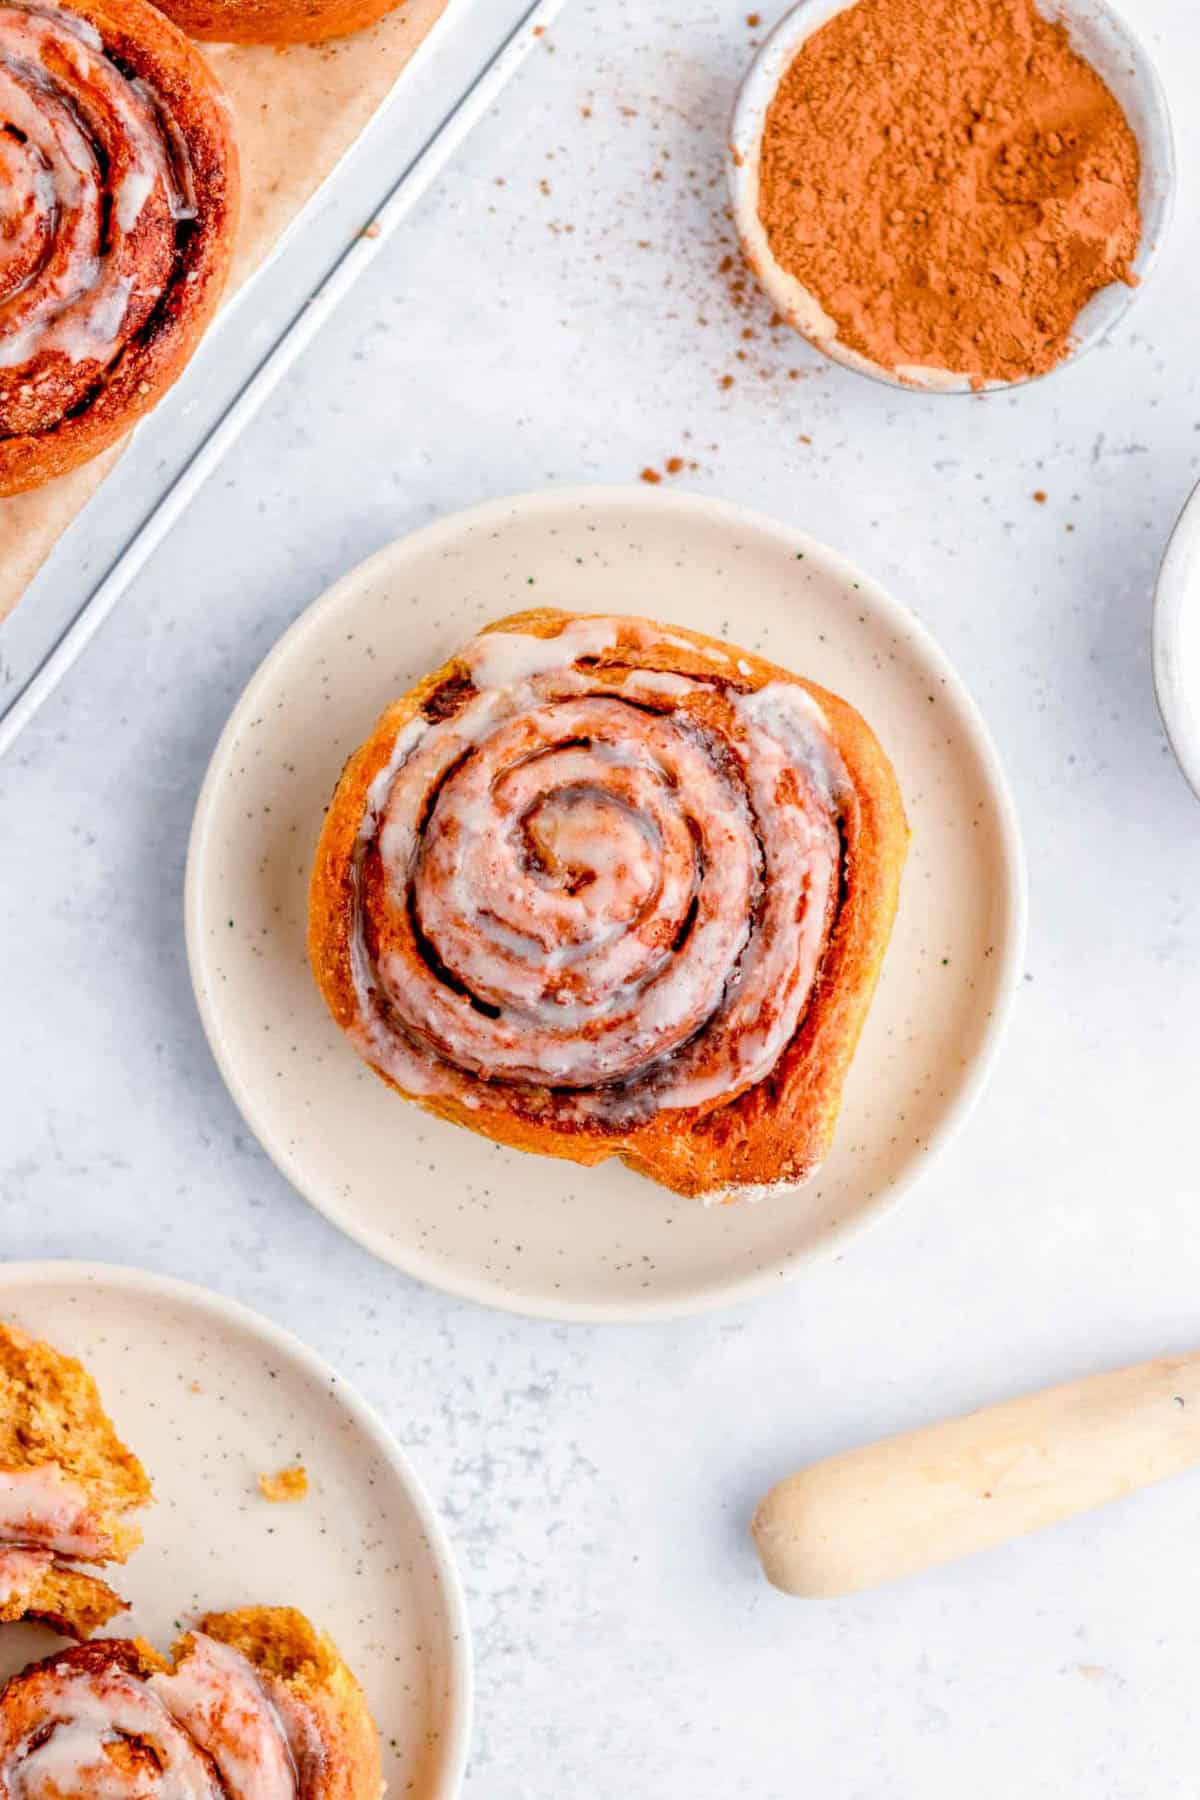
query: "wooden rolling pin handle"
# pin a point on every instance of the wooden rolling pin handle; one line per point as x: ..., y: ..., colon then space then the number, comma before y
x: 929, y: 1496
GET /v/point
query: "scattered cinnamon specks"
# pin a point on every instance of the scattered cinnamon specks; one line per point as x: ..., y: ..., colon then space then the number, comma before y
x: 674, y: 465
x: 712, y: 289
x: 1039, y: 495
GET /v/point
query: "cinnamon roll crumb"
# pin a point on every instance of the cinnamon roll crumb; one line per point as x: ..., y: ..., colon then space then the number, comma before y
x: 285, y: 1486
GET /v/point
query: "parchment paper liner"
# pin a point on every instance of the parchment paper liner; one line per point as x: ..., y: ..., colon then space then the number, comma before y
x: 298, y: 111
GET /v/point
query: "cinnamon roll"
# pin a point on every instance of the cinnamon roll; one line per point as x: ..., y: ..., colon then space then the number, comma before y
x: 67, y: 1488
x: 255, y: 1705
x: 118, y: 206
x: 275, y: 21
x: 602, y: 887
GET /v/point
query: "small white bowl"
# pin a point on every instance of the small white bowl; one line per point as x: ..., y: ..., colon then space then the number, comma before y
x: 1177, y: 641
x: 1100, y: 35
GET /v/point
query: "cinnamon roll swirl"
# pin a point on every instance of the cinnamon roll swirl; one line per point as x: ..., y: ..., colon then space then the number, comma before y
x: 603, y: 887
x: 256, y: 1705
x: 118, y: 206
x: 67, y: 1487
x: 275, y: 21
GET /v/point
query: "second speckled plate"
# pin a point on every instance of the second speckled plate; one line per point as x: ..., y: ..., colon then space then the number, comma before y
x: 209, y: 1396
x: 529, y: 1233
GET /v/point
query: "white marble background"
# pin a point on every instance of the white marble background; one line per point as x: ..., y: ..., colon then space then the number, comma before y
x: 555, y: 314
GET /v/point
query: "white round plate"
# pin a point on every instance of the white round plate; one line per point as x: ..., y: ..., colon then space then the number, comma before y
x: 208, y: 1395
x: 1177, y: 641
x: 534, y: 1234
x: 1102, y: 36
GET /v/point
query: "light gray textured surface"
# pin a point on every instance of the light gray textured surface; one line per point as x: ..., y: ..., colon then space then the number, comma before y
x: 598, y: 1483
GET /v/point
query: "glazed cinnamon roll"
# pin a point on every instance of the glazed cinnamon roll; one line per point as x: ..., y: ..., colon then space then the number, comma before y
x: 118, y: 206
x: 67, y: 1488
x: 275, y: 21
x: 256, y: 1705
x: 603, y: 887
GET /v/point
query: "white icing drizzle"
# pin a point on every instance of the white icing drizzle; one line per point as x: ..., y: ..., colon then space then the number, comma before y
x: 135, y: 189
x: 216, y: 1695
x: 608, y: 889
x: 61, y: 1723
x: 310, y: 1753
x: 44, y: 1508
x: 211, y: 1726
x: 712, y: 652
x: 501, y: 659
x: 69, y: 265
x: 790, y: 716
x: 102, y: 325
x: 657, y: 681
x: 21, y: 1569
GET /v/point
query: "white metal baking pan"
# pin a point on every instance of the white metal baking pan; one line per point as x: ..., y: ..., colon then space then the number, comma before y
x: 456, y: 75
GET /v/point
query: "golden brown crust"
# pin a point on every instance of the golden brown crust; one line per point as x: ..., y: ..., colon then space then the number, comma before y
x: 145, y: 46
x: 275, y: 21
x: 67, y: 1600
x: 51, y: 1414
x: 318, y: 1697
x: 775, y: 1133
x: 132, y: 1655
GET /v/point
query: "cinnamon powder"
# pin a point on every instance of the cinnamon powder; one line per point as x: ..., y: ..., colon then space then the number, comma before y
x: 952, y: 181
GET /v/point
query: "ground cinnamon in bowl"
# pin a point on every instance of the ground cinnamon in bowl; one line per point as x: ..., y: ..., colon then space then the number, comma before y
x: 951, y: 182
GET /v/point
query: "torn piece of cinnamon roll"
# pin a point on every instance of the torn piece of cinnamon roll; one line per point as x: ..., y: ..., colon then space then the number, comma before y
x: 68, y: 1486
x: 256, y: 1705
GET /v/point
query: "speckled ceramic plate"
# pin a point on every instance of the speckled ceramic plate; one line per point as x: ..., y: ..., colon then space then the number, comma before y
x: 209, y: 1395
x: 530, y: 1233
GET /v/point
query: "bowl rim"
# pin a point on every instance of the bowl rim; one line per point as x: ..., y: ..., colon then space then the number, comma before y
x: 1108, y: 307
x: 1177, y: 587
